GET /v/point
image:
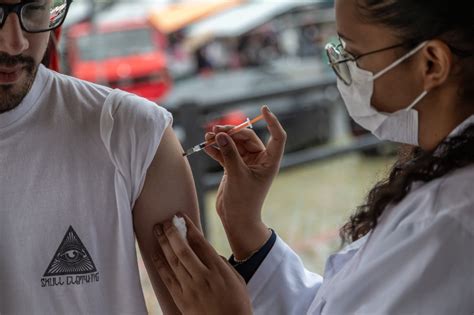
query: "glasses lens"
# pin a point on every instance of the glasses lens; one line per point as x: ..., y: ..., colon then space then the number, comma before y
x: 2, y: 13
x: 338, y: 63
x: 43, y: 15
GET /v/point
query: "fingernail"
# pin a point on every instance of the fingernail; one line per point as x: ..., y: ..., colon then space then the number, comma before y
x: 209, y: 136
x: 222, y: 140
x: 158, y: 229
x: 167, y: 225
x: 265, y: 107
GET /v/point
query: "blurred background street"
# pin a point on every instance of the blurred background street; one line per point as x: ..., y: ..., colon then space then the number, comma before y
x: 217, y: 62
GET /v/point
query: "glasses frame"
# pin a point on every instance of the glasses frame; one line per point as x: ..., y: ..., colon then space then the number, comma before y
x: 339, y: 48
x: 17, y: 8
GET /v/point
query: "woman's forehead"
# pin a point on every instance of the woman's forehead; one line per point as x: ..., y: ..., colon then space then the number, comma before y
x: 349, y: 25
x: 355, y: 30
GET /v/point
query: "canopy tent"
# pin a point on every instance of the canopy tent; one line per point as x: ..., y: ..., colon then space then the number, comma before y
x: 242, y: 19
x: 179, y: 15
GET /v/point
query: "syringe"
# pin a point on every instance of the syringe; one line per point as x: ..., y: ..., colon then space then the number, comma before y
x: 202, y: 145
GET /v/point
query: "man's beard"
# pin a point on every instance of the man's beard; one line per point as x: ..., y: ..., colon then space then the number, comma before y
x: 11, y: 95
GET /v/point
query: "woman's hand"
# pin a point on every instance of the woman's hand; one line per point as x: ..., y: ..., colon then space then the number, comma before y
x: 249, y: 169
x: 199, y: 280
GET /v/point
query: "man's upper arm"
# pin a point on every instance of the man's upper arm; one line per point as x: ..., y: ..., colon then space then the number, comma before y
x: 168, y: 189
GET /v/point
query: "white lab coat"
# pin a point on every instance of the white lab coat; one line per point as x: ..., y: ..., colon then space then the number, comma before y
x: 419, y: 260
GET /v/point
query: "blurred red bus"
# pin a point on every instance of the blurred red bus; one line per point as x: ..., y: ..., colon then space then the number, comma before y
x: 126, y: 55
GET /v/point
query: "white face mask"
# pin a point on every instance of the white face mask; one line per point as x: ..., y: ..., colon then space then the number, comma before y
x: 400, y: 126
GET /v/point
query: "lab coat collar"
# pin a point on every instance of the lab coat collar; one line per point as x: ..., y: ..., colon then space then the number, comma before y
x: 459, y: 129
x: 456, y: 132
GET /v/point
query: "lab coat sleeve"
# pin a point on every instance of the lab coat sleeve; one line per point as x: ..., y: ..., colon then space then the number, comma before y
x: 282, y: 285
x: 424, y: 267
x: 441, y: 272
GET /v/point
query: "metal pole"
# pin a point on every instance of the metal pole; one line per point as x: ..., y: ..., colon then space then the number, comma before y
x: 191, y: 120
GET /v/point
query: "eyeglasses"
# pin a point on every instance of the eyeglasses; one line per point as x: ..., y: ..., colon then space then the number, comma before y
x: 37, y: 16
x: 338, y: 58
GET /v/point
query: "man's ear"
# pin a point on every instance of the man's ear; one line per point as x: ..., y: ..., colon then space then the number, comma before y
x: 437, y: 63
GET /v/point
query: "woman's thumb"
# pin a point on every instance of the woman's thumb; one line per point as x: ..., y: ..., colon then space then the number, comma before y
x: 232, y: 160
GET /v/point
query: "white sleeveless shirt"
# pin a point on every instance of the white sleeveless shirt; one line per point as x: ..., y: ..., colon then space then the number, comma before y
x: 73, y: 159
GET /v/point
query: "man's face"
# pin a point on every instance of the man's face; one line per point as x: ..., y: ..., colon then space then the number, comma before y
x: 20, y: 55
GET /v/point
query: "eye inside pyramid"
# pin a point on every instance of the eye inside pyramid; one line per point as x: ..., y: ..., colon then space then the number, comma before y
x: 71, y: 257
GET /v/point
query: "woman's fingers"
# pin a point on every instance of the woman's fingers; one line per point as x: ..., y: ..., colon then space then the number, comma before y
x: 276, y: 143
x: 232, y: 161
x: 213, y: 151
x: 173, y: 260
x: 233, y: 272
x: 209, y: 136
x: 201, y: 247
x: 246, y: 142
x: 183, y: 251
x: 247, y: 138
x: 243, y: 148
x: 215, y: 154
x: 219, y: 128
x: 166, y: 273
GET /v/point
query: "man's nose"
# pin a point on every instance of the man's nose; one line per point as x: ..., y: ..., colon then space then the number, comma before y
x: 12, y: 38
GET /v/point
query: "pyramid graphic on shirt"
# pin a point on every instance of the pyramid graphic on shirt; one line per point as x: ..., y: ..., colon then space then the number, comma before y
x: 71, y: 258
